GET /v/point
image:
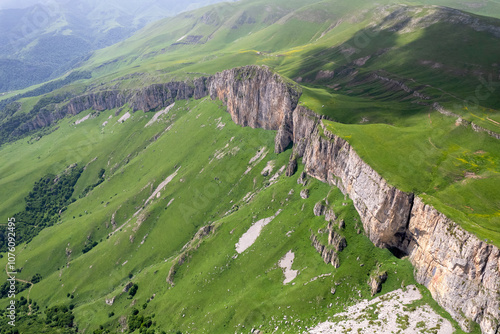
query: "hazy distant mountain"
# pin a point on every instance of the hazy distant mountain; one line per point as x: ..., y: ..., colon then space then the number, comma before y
x: 40, y: 40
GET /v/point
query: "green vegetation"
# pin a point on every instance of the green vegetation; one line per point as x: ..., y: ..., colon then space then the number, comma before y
x: 451, y: 167
x: 214, y: 289
x: 141, y: 323
x: 20, y: 287
x: 89, y: 245
x: 100, y: 180
x: 44, y: 205
x: 59, y: 316
x: 133, y: 290
x: 89, y: 231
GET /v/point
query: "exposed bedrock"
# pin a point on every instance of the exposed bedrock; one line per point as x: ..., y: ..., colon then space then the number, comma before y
x: 383, y: 209
x: 148, y: 98
x: 461, y: 271
x: 259, y: 98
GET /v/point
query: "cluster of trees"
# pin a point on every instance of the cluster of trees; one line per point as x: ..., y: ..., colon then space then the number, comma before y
x: 100, y: 179
x: 133, y: 290
x: 5, y: 288
x: 101, y: 330
x: 44, y: 204
x: 50, y: 57
x: 9, y: 126
x: 23, y: 321
x: 20, y: 286
x: 9, y: 109
x: 58, y: 319
x: 60, y: 316
x: 88, y: 246
x: 16, y: 74
x: 136, y: 321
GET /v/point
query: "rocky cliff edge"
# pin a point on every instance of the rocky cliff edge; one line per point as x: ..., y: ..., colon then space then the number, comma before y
x: 461, y: 271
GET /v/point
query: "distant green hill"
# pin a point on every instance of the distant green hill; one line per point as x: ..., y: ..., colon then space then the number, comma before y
x: 43, y: 40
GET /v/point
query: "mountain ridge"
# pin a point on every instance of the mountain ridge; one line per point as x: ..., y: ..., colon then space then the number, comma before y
x: 366, y: 103
x: 47, y: 39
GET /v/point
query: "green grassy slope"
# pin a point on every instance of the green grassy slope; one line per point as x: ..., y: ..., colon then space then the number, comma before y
x: 215, y: 290
x: 393, y: 129
x: 377, y: 80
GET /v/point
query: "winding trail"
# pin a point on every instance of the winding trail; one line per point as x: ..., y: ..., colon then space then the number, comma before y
x: 23, y: 281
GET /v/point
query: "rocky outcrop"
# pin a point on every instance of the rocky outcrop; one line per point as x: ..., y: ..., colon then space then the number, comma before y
x: 330, y: 215
x: 463, y: 122
x: 192, y: 245
x: 259, y: 98
x: 159, y: 96
x: 304, y: 122
x: 337, y: 241
x: 99, y: 101
x: 319, y: 209
x: 110, y: 301
x: 395, y: 85
x: 302, y: 179
x: 462, y: 272
x: 292, y: 166
x: 128, y: 286
x: 328, y: 255
x: 384, y: 210
x: 153, y: 97
x: 376, y: 281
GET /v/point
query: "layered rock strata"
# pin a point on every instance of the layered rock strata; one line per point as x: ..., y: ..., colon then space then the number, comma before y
x: 259, y: 98
x: 153, y: 97
x: 328, y: 254
x: 461, y: 271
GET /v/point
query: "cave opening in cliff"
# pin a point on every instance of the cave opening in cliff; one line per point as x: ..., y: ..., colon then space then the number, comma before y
x: 399, y: 253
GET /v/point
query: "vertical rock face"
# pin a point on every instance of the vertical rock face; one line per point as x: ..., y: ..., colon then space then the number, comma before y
x: 149, y: 98
x: 259, y: 98
x: 162, y: 95
x: 104, y: 100
x: 384, y: 210
x: 304, y: 122
x: 376, y: 282
x: 461, y: 271
x: 327, y: 254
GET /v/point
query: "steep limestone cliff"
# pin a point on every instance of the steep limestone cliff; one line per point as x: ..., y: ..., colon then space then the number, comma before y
x: 384, y: 210
x: 162, y: 95
x: 99, y: 101
x: 257, y: 97
x: 462, y: 273
x: 149, y: 98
